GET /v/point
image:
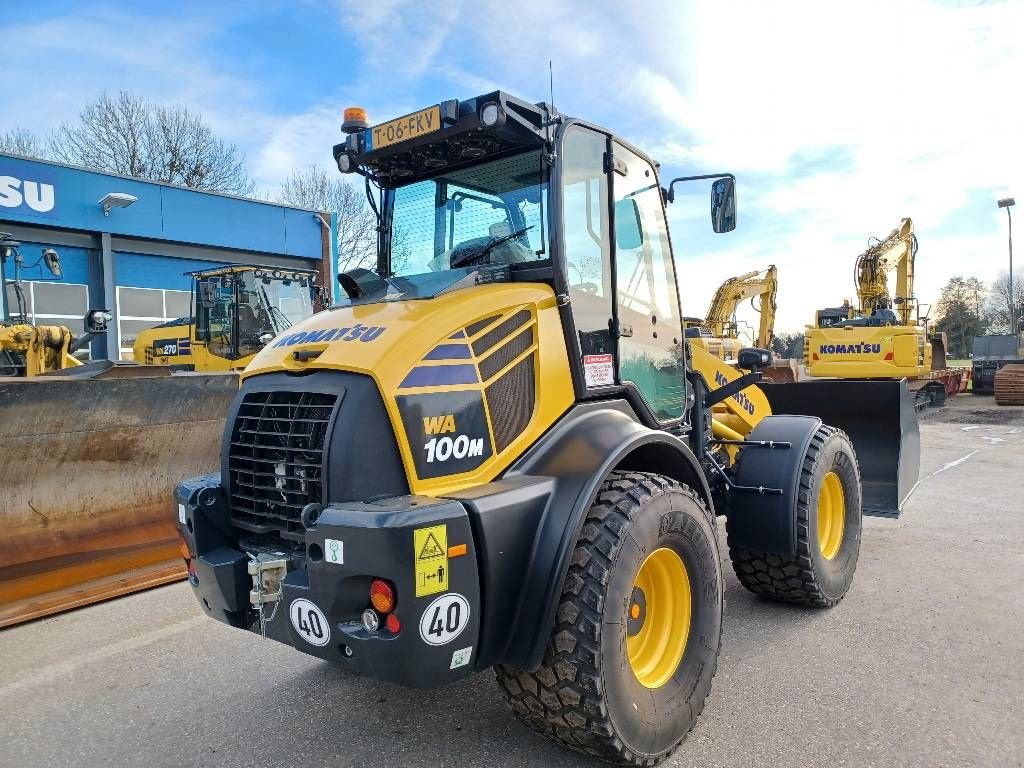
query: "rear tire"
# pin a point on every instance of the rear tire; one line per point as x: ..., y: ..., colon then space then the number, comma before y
x: 587, y: 693
x: 821, y: 571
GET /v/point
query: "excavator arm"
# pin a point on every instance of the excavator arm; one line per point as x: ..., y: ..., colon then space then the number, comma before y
x: 893, y: 253
x: 720, y: 321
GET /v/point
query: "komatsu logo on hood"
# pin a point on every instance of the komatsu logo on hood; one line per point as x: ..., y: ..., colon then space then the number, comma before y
x: 352, y: 333
x: 849, y: 349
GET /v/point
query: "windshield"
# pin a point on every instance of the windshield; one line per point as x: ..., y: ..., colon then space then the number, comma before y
x: 236, y: 311
x: 275, y: 302
x: 494, y: 213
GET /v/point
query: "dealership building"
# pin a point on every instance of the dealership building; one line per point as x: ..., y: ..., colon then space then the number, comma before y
x: 126, y: 245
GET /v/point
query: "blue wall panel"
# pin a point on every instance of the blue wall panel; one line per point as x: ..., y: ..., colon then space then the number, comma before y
x: 34, y: 192
x: 136, y: 270
x: 74, y: 262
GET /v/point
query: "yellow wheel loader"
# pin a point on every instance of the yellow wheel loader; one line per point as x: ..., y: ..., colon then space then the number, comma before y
x: 236, y: 310
x: 499, y: 450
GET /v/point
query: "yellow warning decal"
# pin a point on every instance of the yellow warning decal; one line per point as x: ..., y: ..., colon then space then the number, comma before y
x: 430, y: 546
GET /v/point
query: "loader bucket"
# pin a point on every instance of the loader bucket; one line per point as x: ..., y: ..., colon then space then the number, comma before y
x: 87, y: 472
x: 879, y: 418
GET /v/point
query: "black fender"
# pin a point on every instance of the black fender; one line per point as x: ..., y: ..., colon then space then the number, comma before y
x: 579, y: 452
x: 761, y: 521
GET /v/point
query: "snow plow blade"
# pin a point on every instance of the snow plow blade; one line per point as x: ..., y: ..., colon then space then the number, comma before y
x: 88, y: 469
x: 880, y: 420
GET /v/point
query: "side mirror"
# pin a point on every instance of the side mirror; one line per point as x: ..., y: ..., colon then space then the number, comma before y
x: 629, y: 233
x: 52, y: 260
x: 723, y: 204
x: 753, y: 359
x: 207, y: 294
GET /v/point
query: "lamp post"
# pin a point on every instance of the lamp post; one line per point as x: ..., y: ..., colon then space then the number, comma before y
x: 1007, y: 203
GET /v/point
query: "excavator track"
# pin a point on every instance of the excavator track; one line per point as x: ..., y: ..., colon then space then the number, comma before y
x: 1009, y: 385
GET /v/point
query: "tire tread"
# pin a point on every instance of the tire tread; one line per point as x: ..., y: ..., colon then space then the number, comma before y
x: 562, y: 700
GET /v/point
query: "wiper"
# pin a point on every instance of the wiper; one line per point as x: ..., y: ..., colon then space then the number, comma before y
x: 278, y: 320
x: 472, y: 258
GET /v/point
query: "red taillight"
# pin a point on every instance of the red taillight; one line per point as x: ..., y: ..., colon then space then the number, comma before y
x: 888, y: 355
x: 382, y: 596
x: 393, y: 624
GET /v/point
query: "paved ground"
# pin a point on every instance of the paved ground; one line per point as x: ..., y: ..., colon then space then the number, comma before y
x: 922, y: 664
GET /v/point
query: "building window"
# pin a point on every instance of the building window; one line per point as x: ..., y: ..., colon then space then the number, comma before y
x: 52, y: 303
x: 142, y: 308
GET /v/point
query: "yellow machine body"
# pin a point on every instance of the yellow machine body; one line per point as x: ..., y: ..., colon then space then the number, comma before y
x: 176, y: 344
x: 45, y: 348
x: 477, y: 336
x: 888, y: 352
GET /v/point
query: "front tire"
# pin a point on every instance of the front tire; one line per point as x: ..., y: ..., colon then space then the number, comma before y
x: 828, y: 531
x: 638, y: 628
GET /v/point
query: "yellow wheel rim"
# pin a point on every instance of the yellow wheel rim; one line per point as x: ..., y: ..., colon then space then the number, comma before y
x: 831, y: 515
x: 658, y: 618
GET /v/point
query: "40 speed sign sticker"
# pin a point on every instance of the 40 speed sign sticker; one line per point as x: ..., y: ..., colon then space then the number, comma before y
x: 444, y: 619
x: 310, y: 622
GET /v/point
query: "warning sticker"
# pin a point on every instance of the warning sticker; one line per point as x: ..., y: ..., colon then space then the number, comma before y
x: 430, y: 546
x: 598, y: 370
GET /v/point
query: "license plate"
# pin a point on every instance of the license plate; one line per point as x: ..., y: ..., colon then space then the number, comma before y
x: 404, y: 128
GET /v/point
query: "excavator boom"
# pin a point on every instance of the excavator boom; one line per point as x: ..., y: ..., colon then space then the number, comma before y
x: 721, y: 318
x: 896, y: 253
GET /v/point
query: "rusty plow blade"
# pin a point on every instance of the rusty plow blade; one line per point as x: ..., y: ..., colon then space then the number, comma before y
x: 87, y: 472
x: 880, y: 420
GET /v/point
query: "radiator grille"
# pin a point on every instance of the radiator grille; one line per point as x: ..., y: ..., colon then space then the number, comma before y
x: 276, y: 458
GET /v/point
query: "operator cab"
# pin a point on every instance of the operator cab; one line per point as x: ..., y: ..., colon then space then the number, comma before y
x: 238, y: 310
x: 465, y: 193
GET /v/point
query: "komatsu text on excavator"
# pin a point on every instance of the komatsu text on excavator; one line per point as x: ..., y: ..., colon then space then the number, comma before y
x: 499, y: 450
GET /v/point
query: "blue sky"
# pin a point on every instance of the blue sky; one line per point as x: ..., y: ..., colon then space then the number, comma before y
x: 838, y: 119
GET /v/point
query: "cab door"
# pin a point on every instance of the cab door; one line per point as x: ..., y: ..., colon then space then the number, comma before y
x: 649, y: 326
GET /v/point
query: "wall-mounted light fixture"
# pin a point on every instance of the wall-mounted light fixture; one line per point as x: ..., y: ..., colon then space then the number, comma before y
x: 116, y: 200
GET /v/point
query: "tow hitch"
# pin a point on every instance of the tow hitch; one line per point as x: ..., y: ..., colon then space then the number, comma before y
x: 268, y: 571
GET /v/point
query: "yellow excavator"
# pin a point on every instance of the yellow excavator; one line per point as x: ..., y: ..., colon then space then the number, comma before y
x: 718, y: 333
x: 884, y: 336
x: 236, y: 311
x: 500, y: 450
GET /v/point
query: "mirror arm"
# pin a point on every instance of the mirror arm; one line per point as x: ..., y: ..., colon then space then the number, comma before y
x: 671, y: 196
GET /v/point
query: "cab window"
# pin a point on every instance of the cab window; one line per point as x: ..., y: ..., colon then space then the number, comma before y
x: 650, y: 345
x: 586, y: 238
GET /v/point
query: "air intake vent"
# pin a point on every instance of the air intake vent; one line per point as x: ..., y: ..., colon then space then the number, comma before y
x: 510, y: 400
x: 276, y: 458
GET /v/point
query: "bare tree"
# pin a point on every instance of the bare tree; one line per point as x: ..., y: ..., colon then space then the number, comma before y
x: 997, y: 305
x: 315, y: 188
x: 129, y: 135
x: 21, y: 141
